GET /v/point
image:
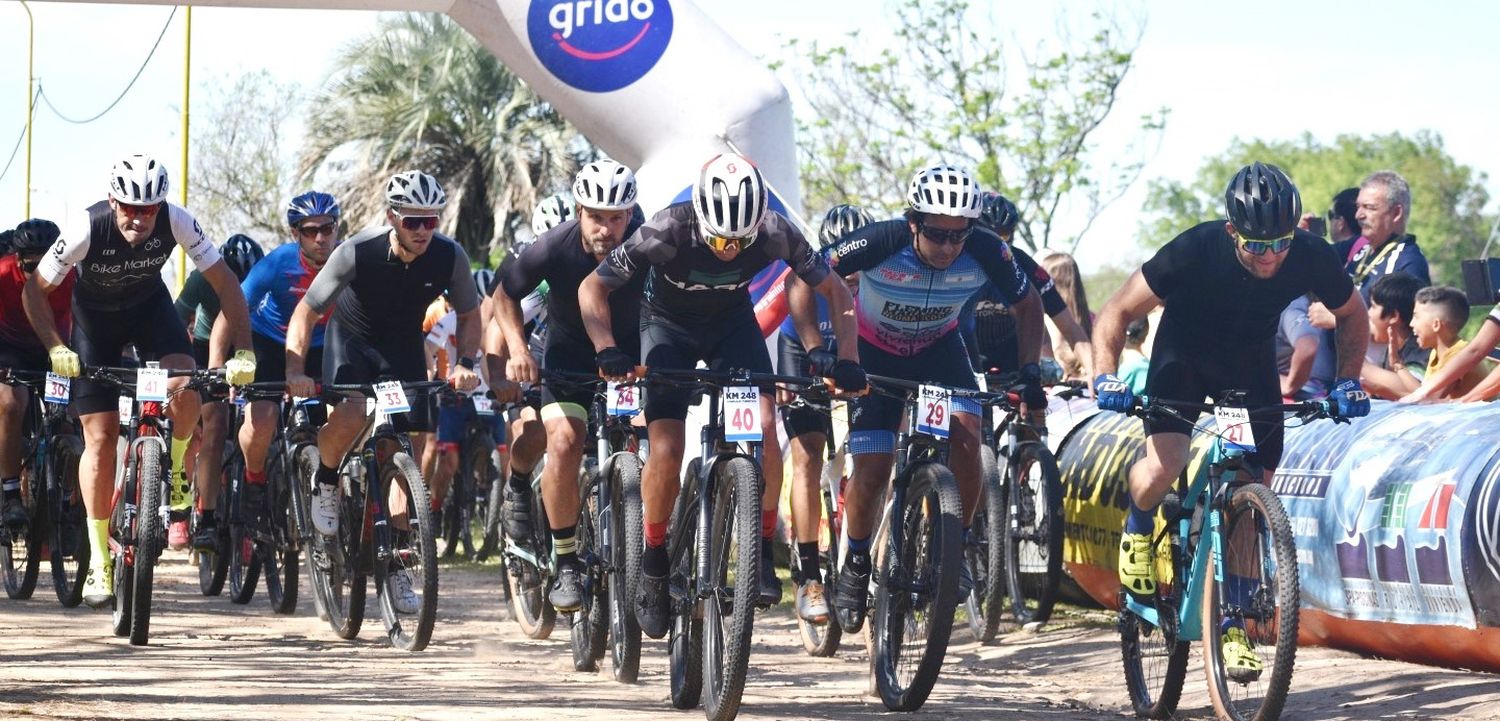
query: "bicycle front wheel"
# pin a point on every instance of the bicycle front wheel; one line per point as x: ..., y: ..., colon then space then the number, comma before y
x: 150, y: 536
x: 1260, y: 596
x: 684, y: 646
x: 21, y: 554
x: 282, y: 556
x: 413, y: 557
x: 590, y: 623
x: 734, y: 568
x: 625, y: 531
x: 918, y: 592
x: 984, y: 551
x: 244, y: 553
x: 70, y: 547
x: 333, y: 561
x: 213, y: 566
x: 1034, y: 533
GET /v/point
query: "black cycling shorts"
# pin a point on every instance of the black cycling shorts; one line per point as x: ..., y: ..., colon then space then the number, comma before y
x: 731, y: 341
x: 945, y: 363
x: 791, y: 360
x: 1183, y: 375
x: 22, y: 359
x: 270, y: 360
x: 100, y: 337
x: 200, y: 351
x: 572, y: 356
x: 349, y: 359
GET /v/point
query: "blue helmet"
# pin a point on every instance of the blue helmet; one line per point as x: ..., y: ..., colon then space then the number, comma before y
x: 311, y: 204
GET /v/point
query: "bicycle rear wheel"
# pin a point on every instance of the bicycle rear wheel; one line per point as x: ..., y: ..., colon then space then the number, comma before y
x: 150, y: 535
x: 334, y: 561
x: 589, y: 625
x: 213, y: 566
x: 244, y: 553
x: 282, y: 557
x: 624, y: 528
x: 458, y: 509
x: 1155, y: 660
x: 984, y: 551
x: 822, y: 639
x: 69, y: 524
x: 21, y: 554
x: 526, y: 582
x: 734, y: 567
x: 919, y: 588
x: 416, y: 558
x: 1034, y: 533
x: 1261, y: 595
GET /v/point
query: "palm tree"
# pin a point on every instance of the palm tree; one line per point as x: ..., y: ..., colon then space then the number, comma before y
x: 422, y: 93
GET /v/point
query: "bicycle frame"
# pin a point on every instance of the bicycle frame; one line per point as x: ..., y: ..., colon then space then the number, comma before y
x: 713, y: 450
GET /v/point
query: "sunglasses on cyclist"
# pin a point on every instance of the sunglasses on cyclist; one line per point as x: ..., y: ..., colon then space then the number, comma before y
x: 418, y: 222
x: 138, y: 211
x: 311, y: 231
x: 721, y: 244
x: 943, y: 236
x: 1261, y: 247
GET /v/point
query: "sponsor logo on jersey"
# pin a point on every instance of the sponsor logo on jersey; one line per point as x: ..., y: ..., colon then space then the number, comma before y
x: 899, y: 276
x: 599, y: 46
x: 960, y: 278
x: 904, y: 313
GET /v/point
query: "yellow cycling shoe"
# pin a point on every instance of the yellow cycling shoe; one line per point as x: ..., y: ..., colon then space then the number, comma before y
x: 99, y: 585
x: 1240, y: 660
x: 1137, y: 564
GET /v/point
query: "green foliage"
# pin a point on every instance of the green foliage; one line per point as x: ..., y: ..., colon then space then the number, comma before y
x: 420, y: 92
x: 938, y: 94
x: 1447, y: 198
x: 239, y: 165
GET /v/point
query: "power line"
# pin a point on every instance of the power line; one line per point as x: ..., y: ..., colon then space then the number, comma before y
x: 19, y: 138
x: 117, y: 100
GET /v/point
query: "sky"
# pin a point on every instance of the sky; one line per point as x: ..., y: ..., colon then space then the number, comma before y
x: 1225, y: 71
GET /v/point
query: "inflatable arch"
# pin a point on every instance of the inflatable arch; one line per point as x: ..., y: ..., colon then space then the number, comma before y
x: 654, y: 83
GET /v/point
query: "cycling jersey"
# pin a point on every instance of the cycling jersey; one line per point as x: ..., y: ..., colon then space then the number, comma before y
x: 988, y: 327
x: 198, y: 302
x: 274, y: 287
x: 15, y: 328
x: 112, y: 273
x: 904, y: 305
x: 687, y: 282
x: 559, y: 259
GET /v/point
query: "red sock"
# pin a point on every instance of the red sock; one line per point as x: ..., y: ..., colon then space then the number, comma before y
x: 656, y: 533
x: 255, y: 478
x: 767, y: 524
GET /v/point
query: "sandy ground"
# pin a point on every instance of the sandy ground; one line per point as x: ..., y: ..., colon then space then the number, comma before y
x: 210, y: 659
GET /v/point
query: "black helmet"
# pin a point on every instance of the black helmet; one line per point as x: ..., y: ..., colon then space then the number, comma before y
x: 841, y: 220
x: 34, y: 236
x: 997, y: 213
x: 5, y: 238
x: 1262, y: 203
x: 241, y: 253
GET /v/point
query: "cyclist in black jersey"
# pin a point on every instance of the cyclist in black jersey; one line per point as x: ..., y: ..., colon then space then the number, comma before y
x: 118, y: 247
x: 378, y: 285
x: 698, y: 258
x: 604, y: 199
x: 1223, y: 286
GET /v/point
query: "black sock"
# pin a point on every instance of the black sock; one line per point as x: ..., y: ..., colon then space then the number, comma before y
x: 859, y: 561
x: 654, y: 560
x: 564, y: 541
x: 206, y: 517
x: 12, y: 489
x: 327, y: 476
x: 767, y: 553
x: 807, y: 555
x: 520, y: 481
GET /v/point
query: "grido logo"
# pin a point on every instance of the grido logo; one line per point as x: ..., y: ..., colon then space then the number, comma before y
x: 599, y: 45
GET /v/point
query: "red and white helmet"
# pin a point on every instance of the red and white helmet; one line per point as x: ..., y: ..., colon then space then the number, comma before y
x: 730, y: 197
x: 138, y: 180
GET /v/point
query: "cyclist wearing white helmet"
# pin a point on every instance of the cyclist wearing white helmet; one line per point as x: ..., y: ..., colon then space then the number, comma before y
x: 698, y: 258
x: 553, y: 211
x: 384, y: 277
x: 119, y: 246
x: 915, y: 274
x: 604, y: 204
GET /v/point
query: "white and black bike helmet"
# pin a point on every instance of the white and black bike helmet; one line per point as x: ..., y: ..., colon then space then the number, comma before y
x: 604, y: 185
x: 138, y: 180
x: 944, y: 190
x: 415, y: 190
x: 730, y: 197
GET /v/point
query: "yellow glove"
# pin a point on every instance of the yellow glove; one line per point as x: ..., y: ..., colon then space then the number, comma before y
x: 65, y: 362
x: 241, y: 368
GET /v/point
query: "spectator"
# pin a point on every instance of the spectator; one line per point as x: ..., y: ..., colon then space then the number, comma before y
x: 1400, y: 362
x: 1133, y: 360
x: 1439, y: 314
x: 1384, y: 209
x: 1343, y: 224
x: 1306, y: 373
x: 1069, y: 282
x: 1462, y: 362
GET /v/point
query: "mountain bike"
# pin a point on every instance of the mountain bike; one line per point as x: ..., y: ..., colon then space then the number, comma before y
x: 1225, y: 559
x: 49, y: 486
x: 467, y: 503
x: 376, y: 538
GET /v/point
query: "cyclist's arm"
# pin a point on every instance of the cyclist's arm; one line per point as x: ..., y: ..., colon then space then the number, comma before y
x: 50, y: 275
x: 232, y: 309
x: 1486, y: 389
x: 651, y: 244
x: 1467, y: 357
x: 520, y: 274
x: 1132, y: 301
x: 299, y: 336
x: 187, y: 301
x: 1030, y: 330
x: 39, y: 311
x: 593, y: 305
x: 1351, y: 336
x: 464, y: 297
x: 1304, y: 351
x: 336, y: 274
x: 1073, y: 333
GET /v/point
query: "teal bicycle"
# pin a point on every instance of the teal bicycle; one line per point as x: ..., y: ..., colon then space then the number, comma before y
x: 1226, y: 568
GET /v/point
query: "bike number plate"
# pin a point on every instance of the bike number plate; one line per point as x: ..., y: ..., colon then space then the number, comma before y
x: 623, y: 400
x: 151, y: 384
x: 483, y: 405
x: 934, y: 406
x: 742, y: 413
x: 56, y: 390
x: 1234, y: 427
x: 126, y: 407
x: 390, y: 398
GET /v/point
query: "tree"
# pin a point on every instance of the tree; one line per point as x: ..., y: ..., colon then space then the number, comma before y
x: 1448, y: 198
x: 239, y: 173
x: 422, y: 93
x: 939, y: 93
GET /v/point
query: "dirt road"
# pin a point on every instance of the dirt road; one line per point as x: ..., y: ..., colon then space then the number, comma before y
x: 210, y: 659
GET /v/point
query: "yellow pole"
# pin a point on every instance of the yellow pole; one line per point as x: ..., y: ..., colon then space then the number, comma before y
x: 30, y: 78
x: 187, y: 74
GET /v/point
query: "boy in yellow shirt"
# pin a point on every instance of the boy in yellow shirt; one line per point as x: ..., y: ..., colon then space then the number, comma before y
x: 1439, y: 314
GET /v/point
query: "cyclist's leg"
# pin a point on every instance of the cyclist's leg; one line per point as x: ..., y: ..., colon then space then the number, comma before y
x: 441, y: 457
x: 807, y: 438
x: 664, y: 345
x: 99, y: 337
x: 13, y: 402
